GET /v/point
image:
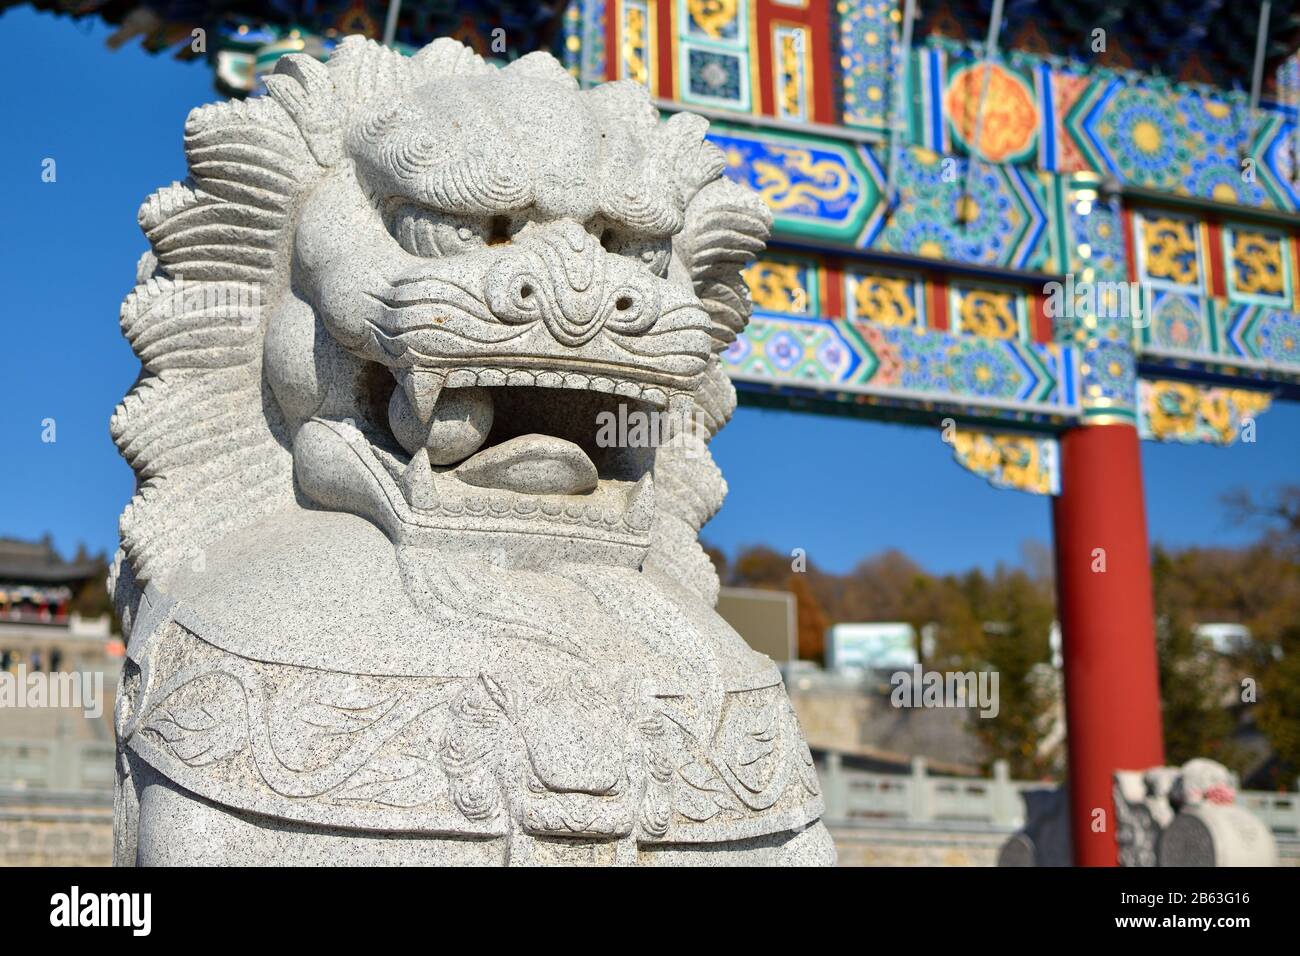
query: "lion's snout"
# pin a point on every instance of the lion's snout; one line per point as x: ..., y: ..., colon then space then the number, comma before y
x: 559, y: 274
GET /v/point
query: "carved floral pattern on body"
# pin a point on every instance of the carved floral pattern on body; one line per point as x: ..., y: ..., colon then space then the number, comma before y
x: 378, y: 575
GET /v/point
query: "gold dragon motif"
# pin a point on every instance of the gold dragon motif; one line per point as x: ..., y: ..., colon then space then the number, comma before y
x: 821, y: 180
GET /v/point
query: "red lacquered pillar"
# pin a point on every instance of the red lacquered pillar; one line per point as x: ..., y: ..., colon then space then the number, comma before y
x: 1103, y: 573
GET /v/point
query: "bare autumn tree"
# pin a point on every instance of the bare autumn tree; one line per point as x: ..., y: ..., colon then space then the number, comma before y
x: 878, y: 588
x: 1257, y: 586
x: 719, y: 559
x: 91, y: 598
x: 1278, y: 511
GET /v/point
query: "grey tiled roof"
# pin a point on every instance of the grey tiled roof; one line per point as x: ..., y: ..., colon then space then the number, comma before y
x: 38, y: 562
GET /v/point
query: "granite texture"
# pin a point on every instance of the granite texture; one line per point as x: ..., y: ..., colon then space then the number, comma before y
x: 389, y: 596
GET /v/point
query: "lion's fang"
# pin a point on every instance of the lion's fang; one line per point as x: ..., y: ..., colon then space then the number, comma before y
x: 417, y: 482
x: 423, y: 386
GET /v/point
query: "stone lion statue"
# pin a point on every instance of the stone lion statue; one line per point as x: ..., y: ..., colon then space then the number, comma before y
x: 388, y: 596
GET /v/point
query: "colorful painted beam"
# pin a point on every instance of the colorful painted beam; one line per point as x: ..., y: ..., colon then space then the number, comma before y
x: 1180, y: 287
x: 907, y: 368
x: 809, y: 284
x: 1217, y: 293
x: 827, y: 190
x: 1145, y: 131
x: 756, y: 57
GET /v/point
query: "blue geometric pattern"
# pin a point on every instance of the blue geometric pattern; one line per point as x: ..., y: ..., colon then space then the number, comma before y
x: 907, y: 365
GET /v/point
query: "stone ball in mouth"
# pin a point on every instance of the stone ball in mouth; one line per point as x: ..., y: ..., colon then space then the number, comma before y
x: 532, y: 465
x: 454, y: 429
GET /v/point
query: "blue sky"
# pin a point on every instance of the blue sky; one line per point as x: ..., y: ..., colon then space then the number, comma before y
x: 841, y: 489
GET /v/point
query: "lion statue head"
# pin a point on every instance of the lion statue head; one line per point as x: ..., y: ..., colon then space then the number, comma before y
x: 415, y: 284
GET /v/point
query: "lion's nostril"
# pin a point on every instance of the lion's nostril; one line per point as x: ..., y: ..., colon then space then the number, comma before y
x: 623, y: 303
x: 525, y: 291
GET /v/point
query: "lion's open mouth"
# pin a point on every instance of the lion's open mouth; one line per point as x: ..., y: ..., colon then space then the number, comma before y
x: 562, y: 450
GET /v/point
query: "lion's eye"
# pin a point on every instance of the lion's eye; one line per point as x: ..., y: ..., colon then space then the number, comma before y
x: 431, y: 234
x: 653, y: 254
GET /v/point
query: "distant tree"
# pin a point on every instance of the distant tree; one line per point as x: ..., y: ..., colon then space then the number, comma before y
x: 1016, y: 648
x: 1204, y: 707
x: 1191, y: 587
x: 878, y: 588
x: 1039, y: 561
x: 759, y: 566
x: 812, y: 620
x: 1196, y: 722
x: 1263, y: 592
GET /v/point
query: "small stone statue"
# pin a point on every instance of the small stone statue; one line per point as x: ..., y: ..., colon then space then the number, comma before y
x: 1164, y: 816
x: 393, y: 594
x: 1208, y: 827
x: 1188, y: 816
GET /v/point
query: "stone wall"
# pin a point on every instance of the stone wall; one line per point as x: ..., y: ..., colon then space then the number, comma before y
x: 48, y: 830
x: 35, y: 831
x: 902, y: 845
x: 912, y: 845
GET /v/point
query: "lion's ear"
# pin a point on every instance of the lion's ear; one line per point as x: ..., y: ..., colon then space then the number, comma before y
x: 726, y: 227
x: 302, y: 85
x: 684, y: 156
